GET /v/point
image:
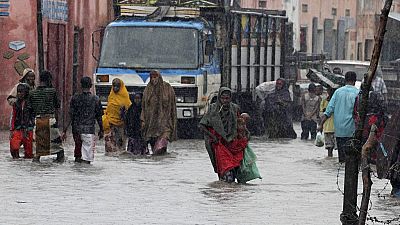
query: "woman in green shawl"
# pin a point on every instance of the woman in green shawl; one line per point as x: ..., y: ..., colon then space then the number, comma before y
x: 220, y: 127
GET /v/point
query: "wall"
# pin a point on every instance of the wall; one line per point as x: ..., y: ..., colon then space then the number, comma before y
x: 322, y: 11
x: 84, y: 16
x: 310, y: 34
x: 368, y: 12
x: 20, y: 25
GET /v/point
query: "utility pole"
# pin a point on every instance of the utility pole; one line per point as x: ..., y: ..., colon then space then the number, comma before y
x: 226, y: 48
x: 40, y: 35
x: 349, y: 214
x: 380, y: 34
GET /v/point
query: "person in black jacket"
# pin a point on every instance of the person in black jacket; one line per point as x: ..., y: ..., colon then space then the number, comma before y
x: 85, y: 109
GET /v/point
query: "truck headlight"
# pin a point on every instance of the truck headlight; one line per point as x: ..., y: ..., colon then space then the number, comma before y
x: 180, y: 99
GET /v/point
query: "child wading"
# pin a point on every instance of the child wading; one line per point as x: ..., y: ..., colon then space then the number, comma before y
x: 136, y: 143
x: 329, y: 128
x: 22, y: 123
x: 310, y: 103
x: 85, y: 110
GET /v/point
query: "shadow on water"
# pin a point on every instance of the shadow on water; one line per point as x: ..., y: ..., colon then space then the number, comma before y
x: 177, y: 188
x: 167, y: 158
x: 222, y: 191
x: 329, y: 164
x: 86, y: 169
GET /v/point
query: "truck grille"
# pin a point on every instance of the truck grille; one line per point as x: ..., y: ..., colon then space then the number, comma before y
x: 103, y: 90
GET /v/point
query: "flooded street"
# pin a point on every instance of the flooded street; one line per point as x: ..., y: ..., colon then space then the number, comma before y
x: 299, y: 186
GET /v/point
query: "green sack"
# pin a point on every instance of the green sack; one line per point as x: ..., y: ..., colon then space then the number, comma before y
x: 248, y: 169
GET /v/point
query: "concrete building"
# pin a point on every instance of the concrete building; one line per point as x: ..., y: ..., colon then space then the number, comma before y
x: 342, y: 29
x: 368, y: 12
x: 67, y: 29
x: 319, y: 26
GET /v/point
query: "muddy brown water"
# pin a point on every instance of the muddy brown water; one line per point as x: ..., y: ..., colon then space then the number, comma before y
x: 298, y: 187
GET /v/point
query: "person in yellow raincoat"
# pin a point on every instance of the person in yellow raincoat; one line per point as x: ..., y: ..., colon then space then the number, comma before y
x: 328, y: 128
x: 113, y: 118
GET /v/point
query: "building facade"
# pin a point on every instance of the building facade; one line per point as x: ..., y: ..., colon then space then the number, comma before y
x: 319, y: 26
x: 67, y: 39
x: 368, y: 12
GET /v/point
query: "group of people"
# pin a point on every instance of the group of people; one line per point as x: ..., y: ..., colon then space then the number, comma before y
x: 343, y: 106
x: 314, y: 104
x: 150, y: 118
x: 138, y: 119
x: 35, y: 116
x: 142, y: 118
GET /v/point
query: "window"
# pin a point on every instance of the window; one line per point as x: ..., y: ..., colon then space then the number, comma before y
x: 180, y: 47
x: 347, y: 12
x: 359, y: 51
x: 334, y: 11
x: 262, y: 4
x: 303, y: 39
x: 368, y: 47
x: 304, y: 8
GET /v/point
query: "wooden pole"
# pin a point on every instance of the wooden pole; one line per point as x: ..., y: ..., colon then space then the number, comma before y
x: 366, y: 175
x: 227, y: 50
x: 351, y: 170
x: 40, y: 34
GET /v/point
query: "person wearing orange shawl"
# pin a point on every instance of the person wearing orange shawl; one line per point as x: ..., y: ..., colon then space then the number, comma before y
x: 158, y: 117
x: 113, y: 122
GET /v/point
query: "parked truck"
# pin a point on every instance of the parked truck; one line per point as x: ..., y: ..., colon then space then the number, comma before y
x: 198, y: 46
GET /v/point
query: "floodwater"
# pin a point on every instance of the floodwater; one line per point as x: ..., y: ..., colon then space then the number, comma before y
x: 299, y: 186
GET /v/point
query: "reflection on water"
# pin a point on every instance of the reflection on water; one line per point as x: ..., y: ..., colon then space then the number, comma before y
x: 222, y: 191
x: 299, y: 186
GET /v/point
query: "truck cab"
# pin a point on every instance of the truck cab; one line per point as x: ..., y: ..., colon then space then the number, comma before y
x: 197, y: 46
x: 180, y: 48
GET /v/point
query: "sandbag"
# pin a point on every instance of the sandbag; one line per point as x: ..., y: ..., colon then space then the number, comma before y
x: 248, y: 169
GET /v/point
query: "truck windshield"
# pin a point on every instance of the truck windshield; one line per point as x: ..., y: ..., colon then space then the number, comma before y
x: 150, y: 47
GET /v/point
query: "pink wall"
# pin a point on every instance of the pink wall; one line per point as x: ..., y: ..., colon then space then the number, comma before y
x: 367, y: 22
x: 322, y: 9
x: 19, y: 25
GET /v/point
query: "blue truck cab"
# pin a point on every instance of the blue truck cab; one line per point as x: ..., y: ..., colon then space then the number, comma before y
x: 176, y: 47
x: 197, y: 46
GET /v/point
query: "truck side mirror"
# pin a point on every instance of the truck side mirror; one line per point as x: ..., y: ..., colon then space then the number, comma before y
x: 209, y: 48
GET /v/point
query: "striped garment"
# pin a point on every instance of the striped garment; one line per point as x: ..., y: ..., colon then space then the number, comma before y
x: 44, y: 100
